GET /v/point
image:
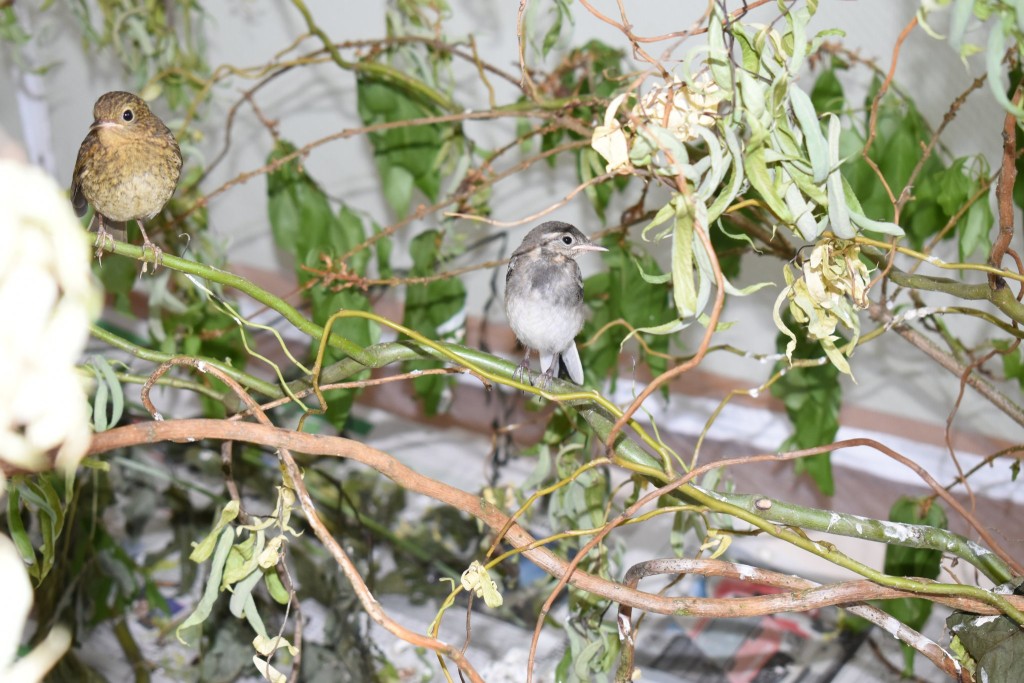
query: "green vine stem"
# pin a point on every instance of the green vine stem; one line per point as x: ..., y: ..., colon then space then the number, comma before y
x: 246, y: 287
x: 1000, y: 297
x: 599, y: 413
x: 243, y: 378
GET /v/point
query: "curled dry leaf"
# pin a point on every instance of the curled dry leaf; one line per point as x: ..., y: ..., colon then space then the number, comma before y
x: 831, y: 288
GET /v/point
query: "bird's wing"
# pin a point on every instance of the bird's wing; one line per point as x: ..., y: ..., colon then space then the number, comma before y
x: 571, y: 358
x: 78, y: 200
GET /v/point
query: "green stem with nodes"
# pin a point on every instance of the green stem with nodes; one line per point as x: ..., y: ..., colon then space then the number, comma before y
x: 241, y: 284
x: 1001, y: 297
x: 842, y: 524
x: 828, y: 552
x: 495, y: 370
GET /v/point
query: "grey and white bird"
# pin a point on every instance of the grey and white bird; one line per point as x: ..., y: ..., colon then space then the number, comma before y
x: 544, y: 297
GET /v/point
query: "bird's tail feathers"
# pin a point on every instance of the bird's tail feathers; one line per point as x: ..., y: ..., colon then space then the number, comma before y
x: 571, y: 359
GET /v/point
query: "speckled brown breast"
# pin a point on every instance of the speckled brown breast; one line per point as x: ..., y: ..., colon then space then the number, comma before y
x: 126, y: 176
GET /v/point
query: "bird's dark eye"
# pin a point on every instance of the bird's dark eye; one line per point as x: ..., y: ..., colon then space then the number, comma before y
x: 128, y: 115
x: 567, y: 240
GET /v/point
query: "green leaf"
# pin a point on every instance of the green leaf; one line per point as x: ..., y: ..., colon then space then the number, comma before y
x: 241, y: 592
x: 718, y: 55
x: 409, y: 156
x: 205, y: 605
x: 1013, y: 361
x: 117, y: 275
x: 589, y: 165
x: 108, y: 388
x: 300, y: 215
x: 435, y: 309
x: 827, y: 94
x: 683, y: 288
x: 49, y: 514
x: 814, y: 139
x: 974, y: 229
x: 19, y: 535
x: 243, y: 558
x: 304, y: 224
x: 202, y: 550
x: 555, y: 30
x: 346, y: 232
x: 275, y: 587
x: 383, y: 249
x: 997, y: 36
x: 938, y: 192
x: 757, y: 172
x: 812, y: 397
x: 995, y: 643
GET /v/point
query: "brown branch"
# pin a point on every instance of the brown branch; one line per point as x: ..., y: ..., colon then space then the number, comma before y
x: 341, y: 558
x: 318, y: 56
x: 596, y: 180
x: 526, y: 82
x: 873, y: 119
x: 930, y: 649
x: 705, y: 342
x: 770, y: 457
x: 246, y: 176
x: 191, y: 430
x: 1004, y: 192
x: 460, y: 195
x: 695, y: 31
x: 1000, y: 400
x: 627, y: 30
x: 951, y: 113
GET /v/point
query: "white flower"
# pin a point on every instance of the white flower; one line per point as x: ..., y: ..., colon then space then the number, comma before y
x: 33, y: 666
x: 48, y: 297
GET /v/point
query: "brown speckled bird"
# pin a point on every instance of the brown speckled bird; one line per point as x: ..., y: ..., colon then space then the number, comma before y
x: 127, y: 167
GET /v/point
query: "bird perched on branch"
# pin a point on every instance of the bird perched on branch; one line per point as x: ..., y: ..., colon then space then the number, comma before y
x: 127, y: 167
x: 544, y: 298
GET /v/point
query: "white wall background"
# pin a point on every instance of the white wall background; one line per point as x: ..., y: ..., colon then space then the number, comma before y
x: 312, y: 102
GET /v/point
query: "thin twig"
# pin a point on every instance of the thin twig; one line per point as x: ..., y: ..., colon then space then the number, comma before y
x: 873, y: 120
x: 756, y: 575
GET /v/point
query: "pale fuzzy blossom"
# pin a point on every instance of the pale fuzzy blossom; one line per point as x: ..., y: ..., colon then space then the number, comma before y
x: 31, y: 667
x: 681, y: 108
x: 48, y: 298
